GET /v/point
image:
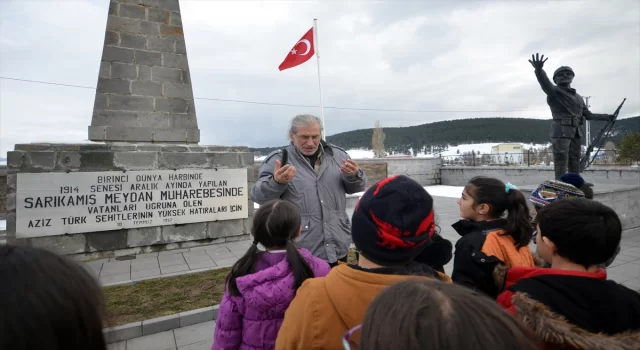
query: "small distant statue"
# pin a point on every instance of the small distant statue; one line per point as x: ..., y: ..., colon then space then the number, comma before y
x: 569, y: 112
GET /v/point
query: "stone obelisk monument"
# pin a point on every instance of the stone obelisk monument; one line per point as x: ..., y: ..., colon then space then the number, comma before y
x: 144, y: 89
x: 144, y: 184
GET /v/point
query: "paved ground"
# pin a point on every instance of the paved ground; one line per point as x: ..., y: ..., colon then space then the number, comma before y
x: 626, y: 268
x: 195, y: 337
x: 144, y: 266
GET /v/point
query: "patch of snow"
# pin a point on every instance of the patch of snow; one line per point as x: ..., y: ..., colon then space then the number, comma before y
x: 445, y: 191
x: 360, y: 153
x: 436, y: 191
x: 484, y: 148
x: 3, y: 225
x: 479, y: 148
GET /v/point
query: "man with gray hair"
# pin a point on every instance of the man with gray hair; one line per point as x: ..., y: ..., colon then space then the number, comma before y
x: 316, y: 178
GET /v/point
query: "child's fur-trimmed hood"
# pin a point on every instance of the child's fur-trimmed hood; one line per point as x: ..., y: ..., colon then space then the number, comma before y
x: 554, y: 329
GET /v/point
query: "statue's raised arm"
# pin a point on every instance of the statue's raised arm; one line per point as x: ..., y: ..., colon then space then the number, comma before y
x: 537, y: 61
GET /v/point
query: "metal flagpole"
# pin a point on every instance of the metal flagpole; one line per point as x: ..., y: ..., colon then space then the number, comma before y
x: 587, y: 125
x: 315, y: 47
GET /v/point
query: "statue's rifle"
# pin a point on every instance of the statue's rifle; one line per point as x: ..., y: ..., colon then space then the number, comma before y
x: 598, y: 140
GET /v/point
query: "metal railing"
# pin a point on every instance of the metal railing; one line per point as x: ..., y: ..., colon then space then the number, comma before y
x: 527, y: 158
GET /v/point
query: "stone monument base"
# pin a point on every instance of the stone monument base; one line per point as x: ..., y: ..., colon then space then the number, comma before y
x: 122, y: 157
x: 624, y: 199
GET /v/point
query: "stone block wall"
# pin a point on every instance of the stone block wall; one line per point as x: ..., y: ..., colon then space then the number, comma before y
x: 426, y: 171
x: 460, y: 175
x: 375, y: 171
x: 41, y: 158
x: 144, y: 91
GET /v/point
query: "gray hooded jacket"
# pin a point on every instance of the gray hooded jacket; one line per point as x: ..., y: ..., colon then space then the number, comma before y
x: 321, y: 198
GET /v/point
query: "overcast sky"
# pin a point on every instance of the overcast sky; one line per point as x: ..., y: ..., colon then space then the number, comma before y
x: 440, y: 56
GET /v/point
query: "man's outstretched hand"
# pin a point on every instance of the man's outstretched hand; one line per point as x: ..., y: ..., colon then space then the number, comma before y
x: 538, y: 61
x: 283, y: 175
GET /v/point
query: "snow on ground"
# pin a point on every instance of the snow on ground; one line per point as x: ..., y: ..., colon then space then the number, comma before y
x: 445, y: 191
x: 479, y: 148
x: 484, y: 148
x: 436, y: 191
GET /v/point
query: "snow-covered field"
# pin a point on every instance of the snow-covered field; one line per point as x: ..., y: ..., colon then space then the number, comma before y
x: 481, y: 148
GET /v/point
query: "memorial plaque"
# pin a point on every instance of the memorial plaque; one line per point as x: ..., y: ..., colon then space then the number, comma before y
x: 49, y: 204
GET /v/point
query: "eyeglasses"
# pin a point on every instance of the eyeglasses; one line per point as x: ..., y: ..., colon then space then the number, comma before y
x: 351, y: 339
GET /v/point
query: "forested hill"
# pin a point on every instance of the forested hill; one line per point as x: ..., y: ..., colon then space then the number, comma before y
x: 462, y: 131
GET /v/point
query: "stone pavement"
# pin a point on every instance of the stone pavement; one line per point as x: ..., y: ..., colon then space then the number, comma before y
x: 625, y: 269
x: 195, y: 337
x: 166, y: 263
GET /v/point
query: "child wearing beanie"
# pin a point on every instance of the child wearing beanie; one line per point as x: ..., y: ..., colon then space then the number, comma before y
x: 553, y: 190
x: 577, y: 181
x: 391, y: 225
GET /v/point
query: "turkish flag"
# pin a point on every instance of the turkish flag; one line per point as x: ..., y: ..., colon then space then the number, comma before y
x: 300, y: 53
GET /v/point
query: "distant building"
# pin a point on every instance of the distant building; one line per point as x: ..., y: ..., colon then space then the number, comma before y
x: 507, y: 153
x: 507, y: 147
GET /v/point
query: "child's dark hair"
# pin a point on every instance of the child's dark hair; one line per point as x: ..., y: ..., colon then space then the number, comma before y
x: 48, y: 301
x: 584, y: 231
x: 487, y: 190
x: 426, y: 314
x: 275, y: 224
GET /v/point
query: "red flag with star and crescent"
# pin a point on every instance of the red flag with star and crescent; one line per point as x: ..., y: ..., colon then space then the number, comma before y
x: 301, y: 52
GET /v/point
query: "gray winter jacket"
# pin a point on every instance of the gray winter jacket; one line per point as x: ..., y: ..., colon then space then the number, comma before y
x: 321, y: 198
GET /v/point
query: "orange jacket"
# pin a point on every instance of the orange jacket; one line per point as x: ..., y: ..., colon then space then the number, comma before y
x: 503, y: 247
x: 325, y: 308
x: 481, y: 248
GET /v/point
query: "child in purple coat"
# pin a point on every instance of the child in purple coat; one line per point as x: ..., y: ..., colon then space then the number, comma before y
x: 261, y: 285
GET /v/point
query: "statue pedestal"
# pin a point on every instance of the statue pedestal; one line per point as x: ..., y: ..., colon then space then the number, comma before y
x: 42, y: 177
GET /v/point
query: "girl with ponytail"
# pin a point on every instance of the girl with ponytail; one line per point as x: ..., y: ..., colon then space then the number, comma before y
x: 262, y: 284
x: 496, y: 230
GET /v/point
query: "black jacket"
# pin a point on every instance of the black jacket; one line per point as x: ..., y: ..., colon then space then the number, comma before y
x: 471, y: 267
x: 569, y: 310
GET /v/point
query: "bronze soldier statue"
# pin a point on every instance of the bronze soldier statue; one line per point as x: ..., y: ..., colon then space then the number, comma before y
x: 569, y: 112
